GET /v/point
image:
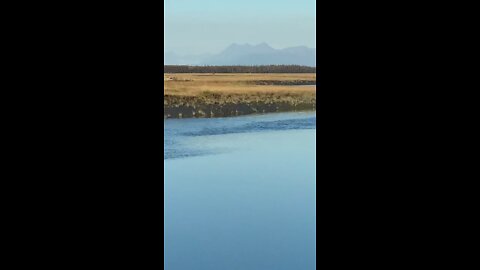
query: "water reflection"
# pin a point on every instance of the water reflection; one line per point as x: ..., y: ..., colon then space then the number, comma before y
x: 240, y: 193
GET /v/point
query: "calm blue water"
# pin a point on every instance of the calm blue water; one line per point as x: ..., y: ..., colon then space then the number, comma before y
x: 240, y: 193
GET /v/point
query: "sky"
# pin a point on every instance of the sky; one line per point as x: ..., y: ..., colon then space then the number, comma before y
x: 209, y: 26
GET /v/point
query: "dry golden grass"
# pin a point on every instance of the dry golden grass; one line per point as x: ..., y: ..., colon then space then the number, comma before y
x: 235, y: 84
x: 222, y: 95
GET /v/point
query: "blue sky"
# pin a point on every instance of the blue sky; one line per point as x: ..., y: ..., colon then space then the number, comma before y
x: 209, y: 26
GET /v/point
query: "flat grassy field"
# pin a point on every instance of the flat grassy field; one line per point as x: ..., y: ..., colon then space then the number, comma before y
x: 252, y: 84
x: 236, y: 94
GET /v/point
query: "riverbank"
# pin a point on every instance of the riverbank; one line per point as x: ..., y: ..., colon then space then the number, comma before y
x: 223, y: 95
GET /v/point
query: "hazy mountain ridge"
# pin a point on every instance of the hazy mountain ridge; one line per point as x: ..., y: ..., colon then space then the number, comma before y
x: 261, y: 54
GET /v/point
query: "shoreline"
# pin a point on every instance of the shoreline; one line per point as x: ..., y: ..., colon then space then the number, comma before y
x: 229, y: 95
x: 179, y: 111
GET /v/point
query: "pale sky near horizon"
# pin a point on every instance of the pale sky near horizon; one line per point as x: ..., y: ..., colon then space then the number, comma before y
x: 209, y: 26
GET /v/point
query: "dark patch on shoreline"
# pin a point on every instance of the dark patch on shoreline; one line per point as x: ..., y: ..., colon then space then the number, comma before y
x: 197, y: 107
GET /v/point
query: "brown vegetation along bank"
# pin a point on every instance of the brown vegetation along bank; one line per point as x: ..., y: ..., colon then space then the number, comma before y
x: 222, y: 95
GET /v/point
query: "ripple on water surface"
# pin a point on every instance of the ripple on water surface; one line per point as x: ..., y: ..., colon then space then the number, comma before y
x: 179, y: 133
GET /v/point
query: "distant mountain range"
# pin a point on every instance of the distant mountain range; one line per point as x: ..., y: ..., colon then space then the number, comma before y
x: 261, y: 54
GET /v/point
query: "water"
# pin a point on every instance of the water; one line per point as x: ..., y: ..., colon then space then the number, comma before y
x: 240, y: 193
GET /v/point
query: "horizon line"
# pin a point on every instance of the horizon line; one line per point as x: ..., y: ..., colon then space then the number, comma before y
x: 243, y: 44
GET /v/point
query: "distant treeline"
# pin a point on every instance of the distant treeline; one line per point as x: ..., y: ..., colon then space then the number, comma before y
x: 240, y: 69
